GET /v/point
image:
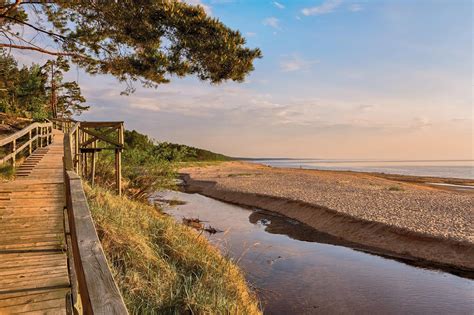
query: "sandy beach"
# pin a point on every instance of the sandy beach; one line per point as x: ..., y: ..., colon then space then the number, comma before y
x: 393, y: 215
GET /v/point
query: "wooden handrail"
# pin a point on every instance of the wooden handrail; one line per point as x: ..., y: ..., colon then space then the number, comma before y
x: 98, y: 291
x: 43, y: 130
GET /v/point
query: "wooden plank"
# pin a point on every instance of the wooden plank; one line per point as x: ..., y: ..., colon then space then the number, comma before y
x: 41, y: 301
x: 34, y: 275
x: 99, y: 293
x: 95, y: 124
x: 101, y: 137
x: 32, y: 224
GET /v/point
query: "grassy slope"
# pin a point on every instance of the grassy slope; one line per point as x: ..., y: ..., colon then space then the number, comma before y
x: 163, y: 267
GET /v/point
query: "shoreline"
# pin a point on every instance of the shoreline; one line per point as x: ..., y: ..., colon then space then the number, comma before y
x: 418, y: 247
x: 416, y: 179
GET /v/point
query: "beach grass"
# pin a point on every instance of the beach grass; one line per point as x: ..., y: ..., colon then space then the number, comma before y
x: 7, y: 172
x: 185, y: 164
x: 395, y: 188
x: 163, y: 267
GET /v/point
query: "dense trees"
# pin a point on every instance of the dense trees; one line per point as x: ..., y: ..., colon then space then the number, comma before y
x: 145, y: 40
x: 22, y: 91
x: 28, y: 91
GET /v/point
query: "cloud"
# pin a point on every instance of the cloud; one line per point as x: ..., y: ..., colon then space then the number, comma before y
x: 250, y: 34
x: 365, y: 108
x: 206, y: 7
x: 295, y: 63
x: 278, y: 5
x: 420, y: 123
x: 272, y: 22
x: 355, y: 7
x: 326, y: 7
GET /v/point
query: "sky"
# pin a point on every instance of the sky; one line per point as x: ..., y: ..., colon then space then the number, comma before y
x: 338, y: 79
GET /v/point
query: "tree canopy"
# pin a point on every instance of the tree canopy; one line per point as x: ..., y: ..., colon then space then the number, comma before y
x: 145, y: 40
x: 27, y: 91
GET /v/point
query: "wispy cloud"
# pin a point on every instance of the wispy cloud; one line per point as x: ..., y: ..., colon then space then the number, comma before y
x: 278, y: 5
x: 364, y: 108
x: 250, y: 34
x: 272, y: 22
x: 295, y: 63
x: 355, y: 7
x: 326, y: 7
x: 421, y: 123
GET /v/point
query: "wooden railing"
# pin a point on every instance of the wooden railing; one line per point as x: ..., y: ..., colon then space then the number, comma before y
x: 39, y: 135
x: 95, y: 285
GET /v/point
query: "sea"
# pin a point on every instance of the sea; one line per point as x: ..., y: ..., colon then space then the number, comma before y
x: 434, y: 168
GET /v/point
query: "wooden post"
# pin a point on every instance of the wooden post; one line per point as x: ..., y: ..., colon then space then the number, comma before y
x: 118, y: 161
x: 31, y: 143
x: 76, y: 151
x: 83, y: 136
x: 86, y: 137
x: 14, y: 153
x: 41, y: 136
x: 37, y: 137
x: 94, y: 145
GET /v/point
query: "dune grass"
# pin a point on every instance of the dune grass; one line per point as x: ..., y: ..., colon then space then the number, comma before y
x: 7, y: 172
x: 162, y: 267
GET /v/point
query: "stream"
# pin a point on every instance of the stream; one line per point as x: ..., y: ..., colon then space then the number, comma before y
x: 297, y: 270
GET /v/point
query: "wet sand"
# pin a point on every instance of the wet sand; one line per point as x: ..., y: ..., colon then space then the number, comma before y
x: 394, y: 215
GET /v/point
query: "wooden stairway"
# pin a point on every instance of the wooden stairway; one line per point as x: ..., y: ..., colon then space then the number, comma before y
x: 34, y: 274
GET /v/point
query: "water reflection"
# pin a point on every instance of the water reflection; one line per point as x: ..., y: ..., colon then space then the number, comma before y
x: 297, y: 270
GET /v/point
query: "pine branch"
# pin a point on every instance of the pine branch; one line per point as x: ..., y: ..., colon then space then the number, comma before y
x: 41, y: 50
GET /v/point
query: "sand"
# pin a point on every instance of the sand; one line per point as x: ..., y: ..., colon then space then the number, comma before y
x: 392, y: 216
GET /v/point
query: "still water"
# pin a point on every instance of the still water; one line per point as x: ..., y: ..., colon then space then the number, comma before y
x: 449, y: 169
x: 297, y: 270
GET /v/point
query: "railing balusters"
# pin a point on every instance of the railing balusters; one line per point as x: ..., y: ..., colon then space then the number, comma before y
x: 42, y: 131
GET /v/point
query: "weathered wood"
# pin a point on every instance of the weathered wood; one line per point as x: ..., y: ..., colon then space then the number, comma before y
x: 90, y: 150
x: 103, y: 133
x: 93, y: 162
x: 30, y: 143
x: 95, y: 124
x: 32, y: 218
x: 12, y: 139
x: 99, y: 293
x: 14, y: 152
x: 100, y: 137
x: 118, y: 161
x: 33, y: 264
x: 19, y: 134
x: 76, y: 151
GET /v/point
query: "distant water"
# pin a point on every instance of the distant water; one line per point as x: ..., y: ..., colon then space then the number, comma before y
x: 450, y: 169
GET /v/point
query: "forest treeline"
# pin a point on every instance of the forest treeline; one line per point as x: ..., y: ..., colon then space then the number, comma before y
x: 38, y: 91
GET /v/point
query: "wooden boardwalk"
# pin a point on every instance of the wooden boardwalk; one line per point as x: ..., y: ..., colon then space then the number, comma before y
x: 34, y: 274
